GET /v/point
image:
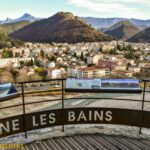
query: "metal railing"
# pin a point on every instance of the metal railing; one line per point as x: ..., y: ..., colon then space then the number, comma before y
x: 63, y: 98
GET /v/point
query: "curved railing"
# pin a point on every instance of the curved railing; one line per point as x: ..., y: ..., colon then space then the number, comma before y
x: 67, y: 116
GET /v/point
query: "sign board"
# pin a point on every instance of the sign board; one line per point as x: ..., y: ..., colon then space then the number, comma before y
x: 49, y: 118
x: 7, y: 91
x: 103, y: 85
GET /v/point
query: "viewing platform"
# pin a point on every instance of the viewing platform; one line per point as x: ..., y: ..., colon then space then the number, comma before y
x: 45, y: 118
x: 90, y: 142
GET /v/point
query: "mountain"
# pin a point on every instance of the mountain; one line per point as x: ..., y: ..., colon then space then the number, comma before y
x: 102, y: 22
x: 8, y: 20
x: 123, y: 30
x: 95, y: 22
x: 143, y: 24
x: 25, y: 17
x: 143, y: 37
x: 108, y: 22
x: 62, y: 27
x: 11, y: 27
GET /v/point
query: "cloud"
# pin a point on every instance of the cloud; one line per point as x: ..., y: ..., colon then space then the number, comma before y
x: 125, y: 8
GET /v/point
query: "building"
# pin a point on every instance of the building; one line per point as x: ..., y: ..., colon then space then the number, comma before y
x: 4, y: 62
x: 107, y: 64
x: 89, y: 72
x: 122, y: 73
x: 146, y: 68
x: 55, y: 73
x: 51, y: 64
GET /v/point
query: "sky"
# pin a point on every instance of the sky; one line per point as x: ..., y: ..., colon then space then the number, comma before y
x: 139, y: 9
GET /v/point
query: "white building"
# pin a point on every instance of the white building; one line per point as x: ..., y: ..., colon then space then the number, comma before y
x: 4, y: 62
x: 88, y: 72
x: 52, y: 64
x: 55, y: 73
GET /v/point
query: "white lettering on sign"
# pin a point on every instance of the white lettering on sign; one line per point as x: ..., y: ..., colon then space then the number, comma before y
x: 15, y: 124
x: 98, y: 116
x: 6, y: 127
x: 71, y: 116
x: 82, y: 116
x: 52, y: 118
x: 43, y: 119
x: 108, y: 116
x: 9, y: 126
x: 89, y: 116
x: 46, y: 119
x: 34, y: 122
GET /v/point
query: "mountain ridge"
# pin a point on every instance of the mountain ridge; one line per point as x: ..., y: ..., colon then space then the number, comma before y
x: 24, y: 17
x: 11, y: 27
x: 96, y: 22
x: 61, y: 27
x: 122, y: 30
x: 141, y: 37
x: 108, y: 22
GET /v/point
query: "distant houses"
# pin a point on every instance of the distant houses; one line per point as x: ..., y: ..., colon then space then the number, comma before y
x: 15, y: 62
x: 88, y: 72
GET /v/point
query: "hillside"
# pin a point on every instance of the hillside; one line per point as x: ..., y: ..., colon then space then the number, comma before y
x: 6, y: 41
x: 62, y: 27
x: 11, y: 27
x: 108, y: 22
x: 122, y: 30
x: 143, y: 36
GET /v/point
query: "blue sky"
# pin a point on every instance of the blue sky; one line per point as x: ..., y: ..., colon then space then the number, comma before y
x: 95, y: 8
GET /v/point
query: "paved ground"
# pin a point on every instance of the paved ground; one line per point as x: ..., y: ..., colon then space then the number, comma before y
x: 90, y: 142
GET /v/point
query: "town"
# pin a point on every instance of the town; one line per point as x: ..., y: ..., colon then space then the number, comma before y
x: 39, y: 61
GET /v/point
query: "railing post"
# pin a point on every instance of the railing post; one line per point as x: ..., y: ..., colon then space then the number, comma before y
x: 24, y: 112
x: 142, y: 108
x: 62, y: 84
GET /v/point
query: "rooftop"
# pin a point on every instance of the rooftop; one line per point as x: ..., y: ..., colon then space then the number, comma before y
x: 92, y: 68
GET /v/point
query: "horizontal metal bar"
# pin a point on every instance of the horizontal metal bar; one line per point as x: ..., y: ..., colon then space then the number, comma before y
x: 66, y: 99
x: 59, y: 79
x: 33, y: 92
x: 43, y: 101
x: 11, y: 106
x: 106, y: 99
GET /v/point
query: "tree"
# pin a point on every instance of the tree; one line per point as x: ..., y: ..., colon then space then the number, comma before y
x: 113, y: 51
x: 30, y: 63
x: 75, y: 55
x: 14, y: 74
x: 22, y: 63
x: 38, y: 63
x: 100, y: 49
x: 41, y: 72
x: 82, y: 56
x: 7, y: 54
x: 42, y: 53
x: 119, y: 47
x: 129, y: 55
x: 53, y: 58
x: 23, y: 52
x: 17, y: 54
x: 128, y: 65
